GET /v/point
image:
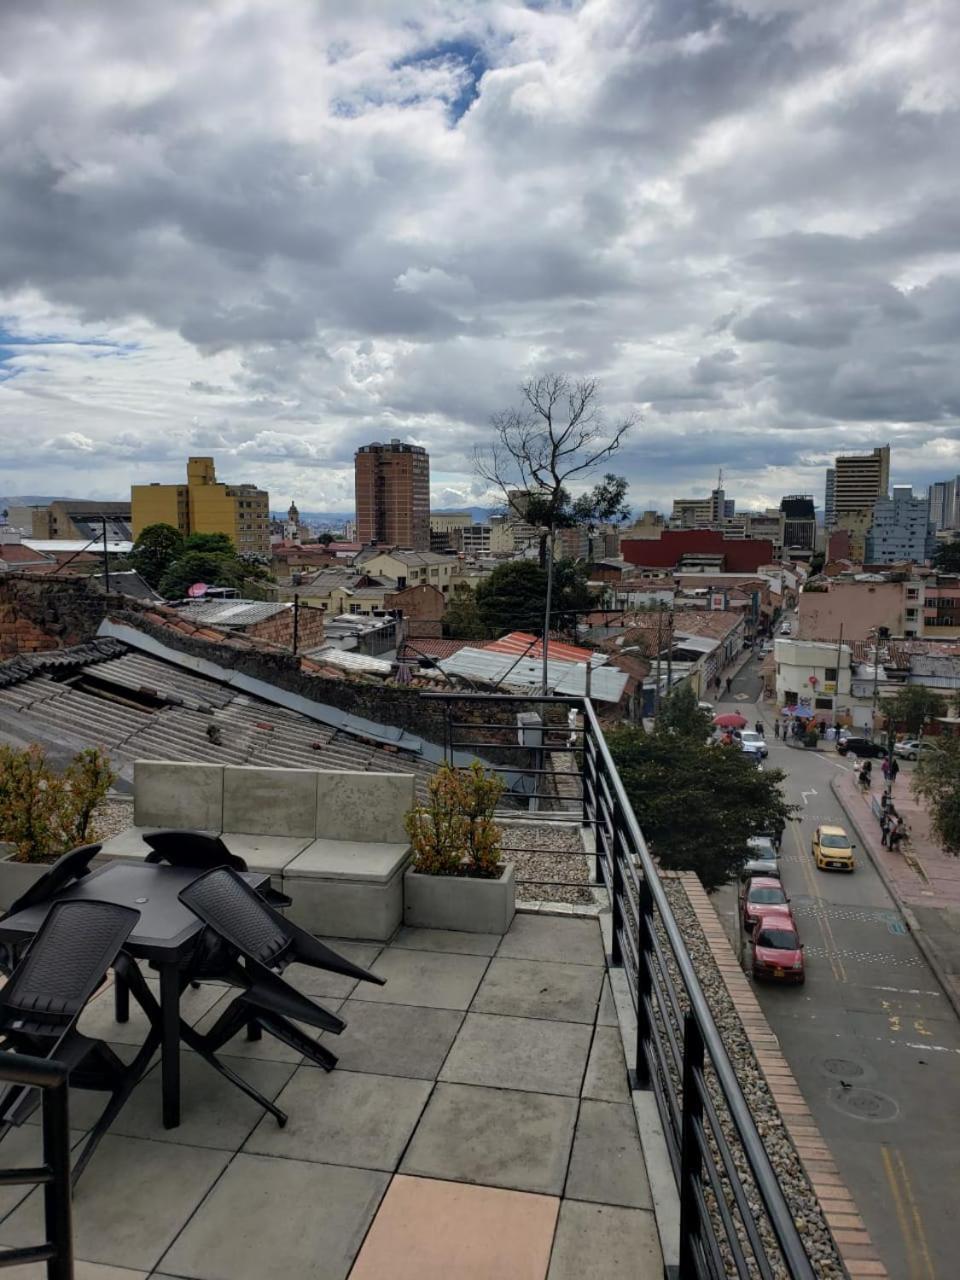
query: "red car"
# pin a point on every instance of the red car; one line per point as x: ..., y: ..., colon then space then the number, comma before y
x: 763, y: 896
x: 777, y: 950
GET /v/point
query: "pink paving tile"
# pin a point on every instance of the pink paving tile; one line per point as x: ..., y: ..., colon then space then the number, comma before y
x: 431, y: 1230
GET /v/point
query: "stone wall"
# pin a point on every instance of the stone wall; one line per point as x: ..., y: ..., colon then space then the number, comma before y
x: 37, y: 613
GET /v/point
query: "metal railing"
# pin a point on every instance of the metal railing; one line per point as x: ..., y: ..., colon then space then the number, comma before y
x: 734, y: 1217
x: 54, y: 1174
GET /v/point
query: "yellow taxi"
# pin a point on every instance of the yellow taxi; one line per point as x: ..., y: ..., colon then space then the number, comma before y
x: 832, y: 849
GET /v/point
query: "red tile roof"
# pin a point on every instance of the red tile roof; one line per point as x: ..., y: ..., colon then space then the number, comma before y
x: 431, y: 647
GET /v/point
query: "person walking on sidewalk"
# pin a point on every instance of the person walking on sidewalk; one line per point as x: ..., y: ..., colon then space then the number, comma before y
x: 759, y: 728
x: 776, y: 728
x: 729, y: 683
x: 893, y: 768
x: 885, y: 769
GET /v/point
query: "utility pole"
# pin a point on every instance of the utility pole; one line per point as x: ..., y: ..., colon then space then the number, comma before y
x: 656, y: 687
x: 546, y: 612
x: 669, y: 652
x: 296, y: 621
x: 836, y: 689
x: 106, y: 559
x: 876, y: 679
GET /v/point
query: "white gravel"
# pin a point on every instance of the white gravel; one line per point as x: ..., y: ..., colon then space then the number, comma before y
x: 543, y: 853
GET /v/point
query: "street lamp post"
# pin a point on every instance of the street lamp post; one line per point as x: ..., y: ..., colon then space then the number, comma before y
x: 546, y: 612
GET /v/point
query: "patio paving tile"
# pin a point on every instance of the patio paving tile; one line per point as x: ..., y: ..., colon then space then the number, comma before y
x: 343, y: 1118
x: 607, y: 1013
x: 550, y: 938
x: 98, y: 1020
x: 607, y: 1165
x: 22, y: 1149
x: 519, y: 1053
x: 606, y: 1077
x: 605, y: 1242
x: 320, y: 982
x: 394, y: 1039
x: 468, y: 944
x: 81, y: 1271
x: 278, y: 1218
x: 497, y: 1137
x: 429, y: 1230
x: 214, y: 1113
x: 539, y: 989
x: 268, y: 1047
x: 130, y: 1203
x: 429, y: 978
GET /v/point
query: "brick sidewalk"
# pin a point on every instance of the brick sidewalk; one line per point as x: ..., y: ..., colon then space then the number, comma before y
x: 922, y: 879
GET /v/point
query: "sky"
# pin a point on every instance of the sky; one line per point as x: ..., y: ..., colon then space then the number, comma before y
x: 274, y: 232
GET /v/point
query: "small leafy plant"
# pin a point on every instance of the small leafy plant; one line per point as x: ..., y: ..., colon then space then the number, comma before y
x: 45, y: 813
x: 454, y: 834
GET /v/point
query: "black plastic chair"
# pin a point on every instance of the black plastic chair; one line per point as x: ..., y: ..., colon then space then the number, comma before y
x: 262, y: 943
x: 42, y: 1001
x: 70, y: 866
x: 197, y: 849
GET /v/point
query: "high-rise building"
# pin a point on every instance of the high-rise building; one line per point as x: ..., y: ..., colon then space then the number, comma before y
x: 830, y: 499
x: 901, y: 529
x: 393, y: 495
x: 203, y: 505
x: 860, y: 480
x: 800, y: 520
x: 945, y: 504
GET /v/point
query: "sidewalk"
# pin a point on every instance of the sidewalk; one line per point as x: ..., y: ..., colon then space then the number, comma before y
x: 923, y: 880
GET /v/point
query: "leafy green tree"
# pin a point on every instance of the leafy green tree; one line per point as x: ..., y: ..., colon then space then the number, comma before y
x: 326, y: 538
x: 913, y: 706
x: 606, y: 503
x: 215, y: 569
x: 462, y: 620
x: 681, y: 716
x: 697, y: 804
x: 946, y: 558
x: 155, y: 549
x: 210, y: 543
x: 514, y: 597
x: 937, y: 779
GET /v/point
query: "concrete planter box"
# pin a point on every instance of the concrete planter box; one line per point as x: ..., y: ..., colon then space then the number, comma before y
x: 460, y: 902
x: 17, y: 877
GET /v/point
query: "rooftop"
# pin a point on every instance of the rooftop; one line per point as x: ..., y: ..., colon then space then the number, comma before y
x: 231, y: 613
x: 466, y: 1131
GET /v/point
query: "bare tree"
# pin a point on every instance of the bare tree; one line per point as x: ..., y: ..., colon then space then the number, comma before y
x: 558, y: 436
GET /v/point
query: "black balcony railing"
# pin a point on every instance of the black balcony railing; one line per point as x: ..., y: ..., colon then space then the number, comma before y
x: 54, y: 1174
x: 734, y: 1217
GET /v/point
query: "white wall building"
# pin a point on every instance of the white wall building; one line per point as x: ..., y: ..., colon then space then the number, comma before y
x: 813, y: 675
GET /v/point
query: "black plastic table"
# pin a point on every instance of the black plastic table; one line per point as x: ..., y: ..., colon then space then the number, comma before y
x: 164, y: 935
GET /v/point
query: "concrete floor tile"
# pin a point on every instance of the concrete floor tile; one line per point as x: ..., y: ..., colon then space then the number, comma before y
x: 429, y: 1230
x: 432, y: 979
x: 214, y: 1113
x: 22, y: 1148
x: 343, y: 1117
x: 496, y: 1137
x: 551, y: 938
x: 320, y: 982
x: 81, y: 1271
x: 605, y: 1242
x: 607, y: 1012
x: 519, y: 1053
x: 606, y: 1077
x: 394, y: 1039
x: 539, y: 989
x: 278, y: 1218
x: 607, y: 1165
x: 131, y: 1202
x: 99, y: 1021
x: 468, y: 944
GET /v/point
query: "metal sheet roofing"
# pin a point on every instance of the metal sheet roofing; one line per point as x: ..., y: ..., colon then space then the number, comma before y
x: 231, y: 613
x: 522, y: 643
x: 606, y: 683
x: 351, y: 661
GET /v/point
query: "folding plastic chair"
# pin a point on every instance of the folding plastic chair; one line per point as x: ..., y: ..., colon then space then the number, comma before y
x: 42, y: 1001
x: 197, y: 849
x: 70, y: 866
x: 262, y: 944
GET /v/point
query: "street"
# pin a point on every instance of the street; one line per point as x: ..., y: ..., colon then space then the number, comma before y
x: 872, y: 1040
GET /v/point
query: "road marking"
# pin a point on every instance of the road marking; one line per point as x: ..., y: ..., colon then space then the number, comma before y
x: 906, y: 1232
x: 915, y: 1214
x: 804, y: 794
x: 921, y: 1028
x: 823, y: 923
x: 902, y: 991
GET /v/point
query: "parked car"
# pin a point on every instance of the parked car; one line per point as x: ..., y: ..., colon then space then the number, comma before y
x: 762, y: 896
x: 912, y: 748
x: 786, y: 629
x: 750, y: 740
x: 861, y: 748
x: 706, y: 706
x: 777, y: 952
x: 762, y: 859
x: 767, y: 646
x: 832, y: 849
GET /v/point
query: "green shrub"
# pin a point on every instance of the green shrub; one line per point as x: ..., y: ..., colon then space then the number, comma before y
x: 45, y: 813
x: 454, y: 832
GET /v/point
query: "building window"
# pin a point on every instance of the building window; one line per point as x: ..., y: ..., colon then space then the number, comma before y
x: 823, y: 704
x: 790, y: 697
x: 830, y: 674
x: 912, y: 593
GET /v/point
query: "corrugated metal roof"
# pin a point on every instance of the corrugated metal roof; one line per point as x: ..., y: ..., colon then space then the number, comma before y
x: 351, y: 661
x: 606, y: 683
x: 232, y: 613
x: 522, y: 643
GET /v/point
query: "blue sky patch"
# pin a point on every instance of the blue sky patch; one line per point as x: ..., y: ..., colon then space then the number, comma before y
x: 471, y: 60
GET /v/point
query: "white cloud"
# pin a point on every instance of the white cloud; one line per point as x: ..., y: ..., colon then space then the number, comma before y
x: 273, y: 232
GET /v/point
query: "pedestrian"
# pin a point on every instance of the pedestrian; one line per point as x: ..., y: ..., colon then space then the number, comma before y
x: 897, y: 833
x: 729, y: 683
x: 776, y: 728
x: 894, y: 768
x: 885, y: 769
x: 823, y: 728
x: 831, y: 733
x: 885, y: 821
x: 759, y: 727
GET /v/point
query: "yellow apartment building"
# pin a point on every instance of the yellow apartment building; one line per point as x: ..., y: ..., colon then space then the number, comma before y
x: 204, y: 505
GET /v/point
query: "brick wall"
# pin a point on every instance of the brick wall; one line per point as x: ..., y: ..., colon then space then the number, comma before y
x: 279, y: 629
x: 423, y: 609
x: 39, y: 613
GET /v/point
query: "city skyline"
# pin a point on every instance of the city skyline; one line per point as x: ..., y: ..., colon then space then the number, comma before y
x: 337, y: 234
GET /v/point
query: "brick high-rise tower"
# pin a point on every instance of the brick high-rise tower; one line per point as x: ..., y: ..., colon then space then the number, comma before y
x: 393, y: 494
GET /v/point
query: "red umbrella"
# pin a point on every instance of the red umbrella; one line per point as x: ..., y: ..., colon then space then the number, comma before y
x: 730, y: 720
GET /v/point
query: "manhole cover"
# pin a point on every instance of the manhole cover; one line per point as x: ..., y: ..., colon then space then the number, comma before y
x: 863, y: 1104
x: 843, y: 1068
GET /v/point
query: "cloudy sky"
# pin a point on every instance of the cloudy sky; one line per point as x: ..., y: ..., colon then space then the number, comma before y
x: 274, y: 231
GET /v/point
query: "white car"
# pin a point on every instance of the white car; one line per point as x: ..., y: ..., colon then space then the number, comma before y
x: 912, y: 748
x: 753, y: 742
x: 786, y: 629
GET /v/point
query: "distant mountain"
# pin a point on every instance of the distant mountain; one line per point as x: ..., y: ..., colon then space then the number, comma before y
x: 29, y: 500
x: 336, y: 519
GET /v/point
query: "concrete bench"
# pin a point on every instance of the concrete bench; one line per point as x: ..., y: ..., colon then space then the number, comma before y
x: 335, y: 842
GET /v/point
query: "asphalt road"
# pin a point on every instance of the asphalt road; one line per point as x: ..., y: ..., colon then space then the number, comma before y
x: 870, y: 1037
